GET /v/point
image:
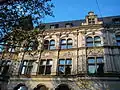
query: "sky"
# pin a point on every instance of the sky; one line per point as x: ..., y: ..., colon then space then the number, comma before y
x: 66, y: 10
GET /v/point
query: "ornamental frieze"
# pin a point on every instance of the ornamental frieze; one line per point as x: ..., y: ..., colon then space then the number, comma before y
x: 66, y: 54
x: 48, y: 55
x: 95, y: 51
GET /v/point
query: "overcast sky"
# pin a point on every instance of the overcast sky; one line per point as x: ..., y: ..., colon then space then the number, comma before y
x: 77, y: 9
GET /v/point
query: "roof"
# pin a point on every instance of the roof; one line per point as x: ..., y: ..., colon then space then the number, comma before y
x: 75, y: 23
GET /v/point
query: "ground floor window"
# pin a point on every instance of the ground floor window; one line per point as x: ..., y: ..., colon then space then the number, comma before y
x: 21, y: 86
x: 40, y: 87
x: 62, y: 87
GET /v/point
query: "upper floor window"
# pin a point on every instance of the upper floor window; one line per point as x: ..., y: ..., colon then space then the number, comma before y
x: 54, y: 26
x: 66, y: 44
x: 68, y: 25
x: 64, y: 66
x: 89, y: 41
x: 26, y: 67
x: 96, y: 41
x: 4, y: 66
x: 52, y: 44
x: 46, y: 44
x: 116, y: 20
x: 95, y: 65
x: 118, y: 40
x: 49, y: 45
x: 30, y: 45
x: 45, y: 66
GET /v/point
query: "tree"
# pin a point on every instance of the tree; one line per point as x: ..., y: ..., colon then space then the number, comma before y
x: 15, y: 13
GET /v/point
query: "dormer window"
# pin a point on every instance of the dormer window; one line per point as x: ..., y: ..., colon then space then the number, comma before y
x: 54, y: 26
x: 91, y: 20
x: 116, y: 20
x: 68, y: 25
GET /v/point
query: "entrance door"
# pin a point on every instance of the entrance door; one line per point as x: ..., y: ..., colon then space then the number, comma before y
x: 62, y: 87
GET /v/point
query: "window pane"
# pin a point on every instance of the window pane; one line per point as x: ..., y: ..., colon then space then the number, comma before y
x: 97, y: 38
x: 46, y: 44
x: 97, y: 43
x: 23, y: 70
x: 52, y: 42
x: 99, y: 59
x: 49, y: 62
x: 25, y: 63
x: 52, y: 47
x: 43, y: 62
x: 48, y: 70
x: 68, y: 70
x: 118, y: 37
x: 69, y: 41
x: 61, y: 61
x: 22, y: 88
x: 118, y: 43
x: 63, y: 41
x: 100, y: 69
x: 89, y: 39
x: 69, y: 46
x: 61, y: 69
x: 91, y: 69
x: 63, y: 47
x: 68, y: 61
x: 41, y: 69
x: 28, y: 70
x: 90, y: 44
x: 91, y: 60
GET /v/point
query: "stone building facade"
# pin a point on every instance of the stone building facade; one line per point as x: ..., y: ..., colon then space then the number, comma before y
x: 71, y: 55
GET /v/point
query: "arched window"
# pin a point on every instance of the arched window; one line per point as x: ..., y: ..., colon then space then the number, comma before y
x: 69, y: 43
x: 52, y: 44
x: 62, y: 87
x: 118, y: 40
x: 20, y: 86
x: 46, y: 44
x: 40, y: 87
x: 97, y: 41
x: 63, y: 44
x: 89, y: 42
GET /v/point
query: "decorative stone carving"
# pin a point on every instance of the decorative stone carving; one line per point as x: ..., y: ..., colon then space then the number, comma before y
x: 95, y: 52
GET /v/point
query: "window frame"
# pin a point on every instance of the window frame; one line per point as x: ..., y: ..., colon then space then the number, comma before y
x: 44, y: 72
x: 27, y: 68
x: 93, y: 42
x: 65, y: 65
x: 96, y: 65
x: 66, y: 44
x: 4, y: 66
x: 51, y: 46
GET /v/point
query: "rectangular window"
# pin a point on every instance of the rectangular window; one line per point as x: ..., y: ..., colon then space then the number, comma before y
x: 64, y: 66
x: 26, y: 67
x: 91, y: 20
x: 45, y: 66
x: 95, y: 65
x: 4, y: 66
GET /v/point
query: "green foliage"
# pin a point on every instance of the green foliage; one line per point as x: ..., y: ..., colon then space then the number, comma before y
x: 22, y: 13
